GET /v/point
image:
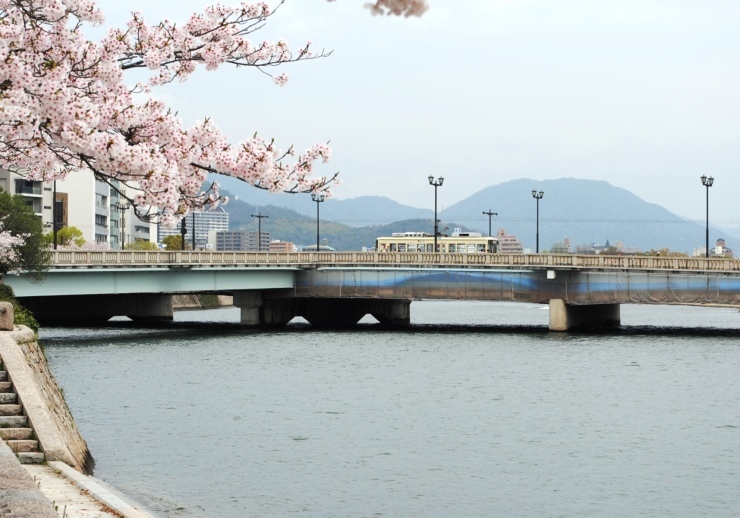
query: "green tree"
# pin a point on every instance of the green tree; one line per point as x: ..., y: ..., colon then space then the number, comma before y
x: 174, y: 242
x: 141, y: 244
x: 19, y: 219
x: 66, y: 236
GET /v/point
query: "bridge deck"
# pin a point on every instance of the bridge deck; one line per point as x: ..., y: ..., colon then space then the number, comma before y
x: 163, y: 259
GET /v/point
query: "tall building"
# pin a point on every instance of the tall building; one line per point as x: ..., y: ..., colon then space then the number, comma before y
x: 204, y: 222
x: 508, y: 244
x: 100, y: 213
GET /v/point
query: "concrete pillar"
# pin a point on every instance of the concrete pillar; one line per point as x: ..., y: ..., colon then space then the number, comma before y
x: 151, y: 308
x: 391, y: 312
x: 277, y: 311
x: 564, y: 317
x: 6, y: 316
x: 250, y: 304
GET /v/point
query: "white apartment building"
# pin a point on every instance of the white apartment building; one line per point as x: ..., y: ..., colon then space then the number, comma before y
x: 38, y: 195
x: 101, y: 214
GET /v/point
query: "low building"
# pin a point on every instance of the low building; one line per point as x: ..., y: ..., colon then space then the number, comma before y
x: 282, y: 246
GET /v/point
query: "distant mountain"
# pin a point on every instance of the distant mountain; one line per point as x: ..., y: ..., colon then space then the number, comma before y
x: 356, y: 212
x: 585, y: 211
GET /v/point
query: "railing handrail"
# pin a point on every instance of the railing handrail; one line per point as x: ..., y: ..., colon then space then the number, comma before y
x: 163, y: 258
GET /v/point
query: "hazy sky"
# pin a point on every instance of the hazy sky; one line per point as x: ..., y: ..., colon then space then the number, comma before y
x: 640, y: 93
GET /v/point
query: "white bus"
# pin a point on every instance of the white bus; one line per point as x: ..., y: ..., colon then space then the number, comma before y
x: 458, y: 242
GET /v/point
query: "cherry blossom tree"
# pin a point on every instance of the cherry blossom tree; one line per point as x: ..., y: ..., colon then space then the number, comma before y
x: 9, y: 245
x: 64, y: 105
x: 21, y: 242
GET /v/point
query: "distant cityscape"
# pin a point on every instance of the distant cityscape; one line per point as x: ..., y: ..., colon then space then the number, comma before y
x: 107, y: 221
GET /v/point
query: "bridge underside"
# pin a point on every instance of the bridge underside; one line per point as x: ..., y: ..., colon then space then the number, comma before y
x: 80, y: 309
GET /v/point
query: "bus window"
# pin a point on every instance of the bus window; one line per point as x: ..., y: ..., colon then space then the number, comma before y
x: 393, y: 247
x: 481, y: 248
x: 401, y: 247
x: 451, y: 246
x: 430, y: 247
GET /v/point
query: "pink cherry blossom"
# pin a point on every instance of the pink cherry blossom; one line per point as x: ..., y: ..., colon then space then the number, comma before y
x: 9, y: 244
x: 64, y: 104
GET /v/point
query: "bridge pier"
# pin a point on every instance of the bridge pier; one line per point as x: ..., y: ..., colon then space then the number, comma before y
x: 565, y: 317
x: 77, y: 309
x: 258, y: 310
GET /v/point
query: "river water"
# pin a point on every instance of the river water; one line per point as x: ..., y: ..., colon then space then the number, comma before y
x: 475, y: 410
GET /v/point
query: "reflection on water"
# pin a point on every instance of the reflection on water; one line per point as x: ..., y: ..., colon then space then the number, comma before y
x: 474, y: 410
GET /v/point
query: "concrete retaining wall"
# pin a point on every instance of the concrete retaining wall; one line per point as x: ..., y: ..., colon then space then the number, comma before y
x: 42, y: 400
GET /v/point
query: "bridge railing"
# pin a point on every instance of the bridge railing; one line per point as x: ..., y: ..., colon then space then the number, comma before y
x: 110, y: 258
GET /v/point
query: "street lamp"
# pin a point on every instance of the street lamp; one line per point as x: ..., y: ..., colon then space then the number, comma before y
x: 707, y: 182
x: 435, y: 183
x: 122, y: 208
x: 538, y: 196
x: 318, y: 198
x: 259, y: 217
x: 489, y: 214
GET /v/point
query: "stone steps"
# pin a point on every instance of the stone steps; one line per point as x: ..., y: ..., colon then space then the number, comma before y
x: 8, y: 398
x: 14, y: 426
x: 11, y: 410
x: 25, y: 445
x: 16, y: 434
x: 31, y: 457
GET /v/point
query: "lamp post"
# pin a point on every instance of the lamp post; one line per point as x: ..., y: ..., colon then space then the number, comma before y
x: 707, y: 182
x: 435, y: 183
x: 259, y: 217
x: 489, y: 214
x: 122, y: 208
x: 54, y: 214
x: 318, y: 198
x: 538, y: 196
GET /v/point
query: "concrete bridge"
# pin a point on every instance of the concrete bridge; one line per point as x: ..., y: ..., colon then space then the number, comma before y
x: 339, y: 288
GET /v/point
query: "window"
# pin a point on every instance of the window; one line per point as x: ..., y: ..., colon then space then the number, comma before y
x: 393, y: 247
x: 101, y: 200
x: 101, y: 221
x: 101, y: 238
x: 143, y: 230
x: 27, y: 187
x: 401, y: 247
x: 430, y: 247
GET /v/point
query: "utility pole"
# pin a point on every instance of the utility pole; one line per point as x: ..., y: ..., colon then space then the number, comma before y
x: 259, y: 217
x: 489, y: 214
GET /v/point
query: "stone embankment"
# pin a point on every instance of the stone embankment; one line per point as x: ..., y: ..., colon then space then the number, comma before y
x: 37, y: 427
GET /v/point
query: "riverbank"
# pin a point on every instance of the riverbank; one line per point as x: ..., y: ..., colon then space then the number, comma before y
x: 45, y: 466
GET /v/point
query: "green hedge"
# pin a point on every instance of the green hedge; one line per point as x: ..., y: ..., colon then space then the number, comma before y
x: 21, y: 316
